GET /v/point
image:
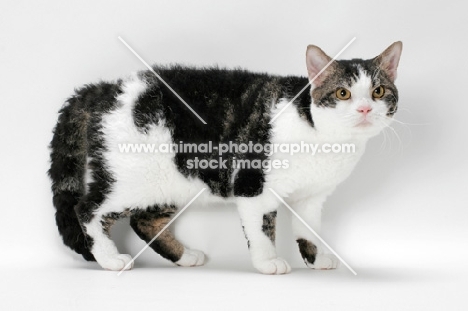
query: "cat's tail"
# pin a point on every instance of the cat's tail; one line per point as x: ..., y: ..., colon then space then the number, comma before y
x: 67, y: 170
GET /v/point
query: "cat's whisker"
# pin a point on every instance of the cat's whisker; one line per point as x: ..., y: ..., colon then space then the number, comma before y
x: 348, y: 116
x: 400, y: 146
x: 404, y: 109
x: 406, y: 123
x: 387, y: 137
x: 398, y: 121
x: 384, y: 142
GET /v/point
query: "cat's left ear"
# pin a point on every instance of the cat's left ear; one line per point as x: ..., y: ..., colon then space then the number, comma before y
x: 317, y: 60
x: 389, y: 59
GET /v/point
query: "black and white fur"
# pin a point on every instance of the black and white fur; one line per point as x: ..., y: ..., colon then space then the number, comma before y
x: 94, y: 184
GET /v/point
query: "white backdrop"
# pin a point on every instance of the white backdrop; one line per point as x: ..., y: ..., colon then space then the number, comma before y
x: 404, y: 207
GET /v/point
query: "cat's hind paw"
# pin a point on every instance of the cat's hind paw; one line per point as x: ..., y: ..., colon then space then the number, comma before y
x: 117, y: 262
x: 324, y: 262
x: 191, y: 258
x: 273, y: 266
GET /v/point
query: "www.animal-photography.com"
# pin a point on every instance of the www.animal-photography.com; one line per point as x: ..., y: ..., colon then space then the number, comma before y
x: 226, y: 155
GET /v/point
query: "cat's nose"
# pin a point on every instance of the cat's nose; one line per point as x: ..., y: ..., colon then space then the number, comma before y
x: 364, y: 109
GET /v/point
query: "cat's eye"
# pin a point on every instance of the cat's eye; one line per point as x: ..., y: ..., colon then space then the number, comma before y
x: 378, y: 92
x: 343, y: 94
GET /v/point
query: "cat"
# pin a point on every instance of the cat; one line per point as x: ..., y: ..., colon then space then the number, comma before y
x: 94, y: 183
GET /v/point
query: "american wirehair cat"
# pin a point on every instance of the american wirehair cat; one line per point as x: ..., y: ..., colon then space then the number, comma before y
x: 95, y: 182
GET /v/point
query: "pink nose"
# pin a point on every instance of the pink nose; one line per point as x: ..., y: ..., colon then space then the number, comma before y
x: 364, y: 109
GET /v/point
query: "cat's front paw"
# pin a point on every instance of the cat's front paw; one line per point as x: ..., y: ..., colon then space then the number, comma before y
x: 191, y: 258
x: 324, y: 262
x: 116, y: 263
x: 273, y: 266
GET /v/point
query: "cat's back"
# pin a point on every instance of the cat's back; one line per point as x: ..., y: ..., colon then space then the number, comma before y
x: 217, y: 104
x: 225, y: 104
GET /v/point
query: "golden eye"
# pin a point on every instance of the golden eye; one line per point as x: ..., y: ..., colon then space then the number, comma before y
x: 343, y: 94
x: 378, y: 92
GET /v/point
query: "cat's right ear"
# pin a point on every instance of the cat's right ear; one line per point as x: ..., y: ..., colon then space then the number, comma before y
x: 316, y: 60
x: 389, y: 59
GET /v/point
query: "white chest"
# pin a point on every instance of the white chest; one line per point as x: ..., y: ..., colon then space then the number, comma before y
x: 313, y: 174
x: 318, y: 169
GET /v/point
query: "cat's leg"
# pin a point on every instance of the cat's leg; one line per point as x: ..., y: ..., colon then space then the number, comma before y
x: 147, y: 224
x: 315, y: 255
x: 258, y: 216
x: 96, y: 226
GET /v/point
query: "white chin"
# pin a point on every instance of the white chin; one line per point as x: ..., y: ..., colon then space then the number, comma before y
x: 364, y: 124
x: 366, y: 128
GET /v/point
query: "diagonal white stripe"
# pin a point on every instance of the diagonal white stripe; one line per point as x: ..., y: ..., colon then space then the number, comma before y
x: 160, y: 232
x: 313, y: 79
x: 161, y: 79
x: 313, y: 231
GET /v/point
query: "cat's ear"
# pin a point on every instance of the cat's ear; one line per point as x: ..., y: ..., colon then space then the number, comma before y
x: 389, y: 59
x: 316, y: 60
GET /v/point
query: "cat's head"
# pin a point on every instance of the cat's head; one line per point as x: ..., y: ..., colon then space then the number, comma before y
x: 356, y: 97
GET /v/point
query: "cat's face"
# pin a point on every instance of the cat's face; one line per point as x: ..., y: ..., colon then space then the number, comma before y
x: 353, y: 97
